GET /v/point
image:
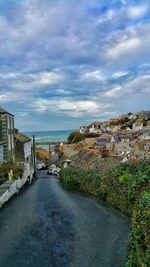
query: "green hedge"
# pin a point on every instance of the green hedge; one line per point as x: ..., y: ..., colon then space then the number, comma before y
x: 127, y: 188
x: 75, y: 137
x: 6, y: 167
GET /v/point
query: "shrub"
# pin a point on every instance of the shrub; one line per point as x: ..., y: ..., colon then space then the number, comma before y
x: 126, y: 187
x: 140, y: 247
x: 75, y: 137
x: 6, y: 167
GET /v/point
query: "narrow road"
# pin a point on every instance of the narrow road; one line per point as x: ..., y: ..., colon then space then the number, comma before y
x: 47, y: 226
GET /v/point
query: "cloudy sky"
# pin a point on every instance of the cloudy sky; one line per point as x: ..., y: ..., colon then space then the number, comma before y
x: 64, y: 63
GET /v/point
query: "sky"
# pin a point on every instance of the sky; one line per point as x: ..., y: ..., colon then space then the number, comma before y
x: 66, y: 63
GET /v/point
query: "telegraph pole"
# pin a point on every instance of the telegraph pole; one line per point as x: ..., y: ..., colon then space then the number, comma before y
x: 49, y: 150
x: 34, y: 161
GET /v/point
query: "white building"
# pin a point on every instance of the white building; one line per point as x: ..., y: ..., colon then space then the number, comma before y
x: 94, y: 127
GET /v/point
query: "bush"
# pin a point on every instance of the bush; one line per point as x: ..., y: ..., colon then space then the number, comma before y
x: 126, y: 187
x: 6, y: 167
x: 75, y: 137
x: 140, y: 247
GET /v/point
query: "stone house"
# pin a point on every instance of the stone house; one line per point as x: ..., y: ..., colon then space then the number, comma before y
x: 22, y: 147
x: 142, y: 149
x: 109, y: 147
x: 101, y: 142
x: 145, y: 135
x: 147, y: 146
x: 137, y: 126
x: 105, y: 126
x: 128, y: 137
x: 126, y: 128
x: 116, y: 128
x: 109, y: 128
x: 106, y: 135
x: 7, y: 134
x: 1, y: 152
x: 146, y: 115
x: 148, y: 123
x: 122, y: 149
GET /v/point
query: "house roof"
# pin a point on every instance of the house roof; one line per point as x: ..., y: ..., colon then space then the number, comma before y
x: 106, y: 134
x: 67, y: 161
x: 3, y: 111
x: 129, y: 136
x: 22, y: 137
x: 101, y: 145
x: 96, y: 123
x: 116, y: 138
x: 138, y: 123
x: 102, y: 140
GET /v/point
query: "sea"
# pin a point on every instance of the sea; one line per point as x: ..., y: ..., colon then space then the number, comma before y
x: 49, y: 136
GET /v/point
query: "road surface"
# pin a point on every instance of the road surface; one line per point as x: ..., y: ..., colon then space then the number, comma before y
x: 47, y: 226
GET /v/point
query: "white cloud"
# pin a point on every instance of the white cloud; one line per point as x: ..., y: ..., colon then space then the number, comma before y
x: 128, y: 47
x: 115, y: 92
x: 124, y: 2
x: 108, y: 16
x: 140, y: 84
x: 3, y: 98
x: 138, y: 11
x: 124, y: 46
x: 17, y: 97
x: 21, y: 81
x: 120, y: 74
x: 93, y: 76
x: 69, y: 106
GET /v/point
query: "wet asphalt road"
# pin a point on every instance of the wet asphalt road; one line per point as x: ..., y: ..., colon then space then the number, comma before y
x: 47, y: 226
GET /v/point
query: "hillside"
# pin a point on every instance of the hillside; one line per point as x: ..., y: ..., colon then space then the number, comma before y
x: 126, y: 137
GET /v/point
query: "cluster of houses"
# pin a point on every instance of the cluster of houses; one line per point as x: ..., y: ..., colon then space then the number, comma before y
x: 14, y: 145
x: 127, y: 136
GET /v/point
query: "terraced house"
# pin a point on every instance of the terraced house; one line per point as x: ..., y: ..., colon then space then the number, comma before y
x: 22, y: 147
x: 1, y: 152
x: 7, y: 134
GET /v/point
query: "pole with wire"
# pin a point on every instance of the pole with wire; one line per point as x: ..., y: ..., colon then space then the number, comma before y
x: 34, y: 156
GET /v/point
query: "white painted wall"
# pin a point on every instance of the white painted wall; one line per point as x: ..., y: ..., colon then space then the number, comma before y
x: 10, y: 122
x: 27, y: 149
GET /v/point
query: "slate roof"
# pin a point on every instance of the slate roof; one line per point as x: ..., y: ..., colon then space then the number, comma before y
x: 117, y: 138
x: 102, y: 140
x: 95, y: 123
x: 2, y: 111
x: 22, y: 137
